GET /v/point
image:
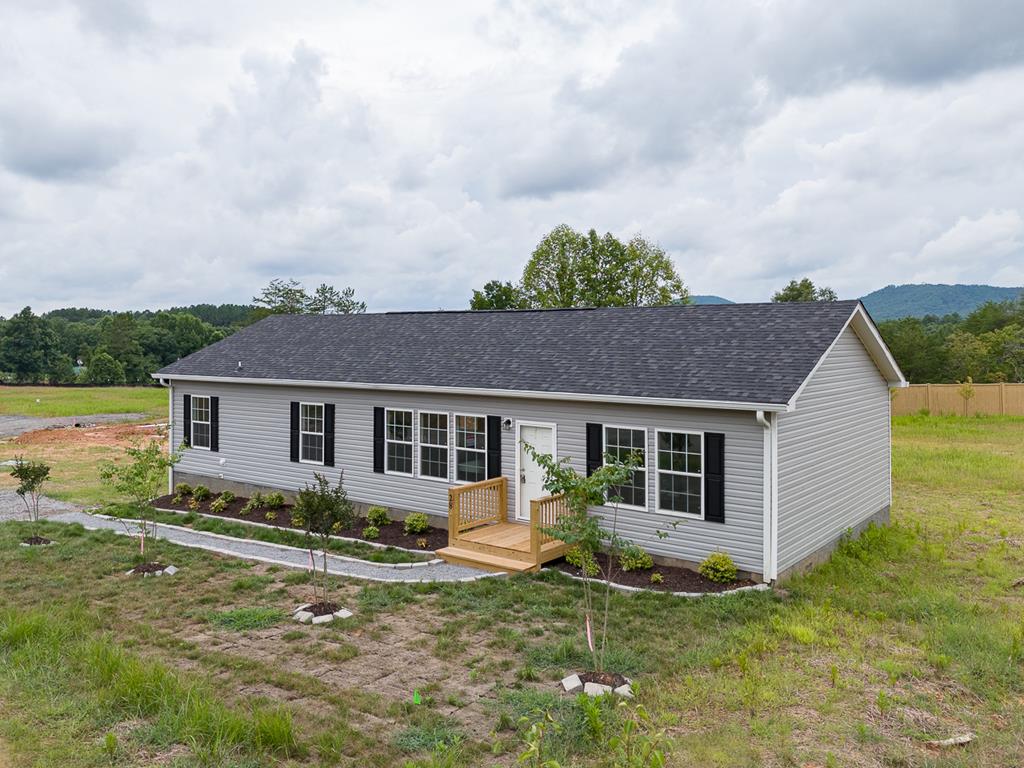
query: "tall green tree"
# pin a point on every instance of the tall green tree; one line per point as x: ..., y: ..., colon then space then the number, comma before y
x: 119, y: 338
x: 28, y: 347
x: 288, y: 297
x: 804, y: 290
x: 576, y: 269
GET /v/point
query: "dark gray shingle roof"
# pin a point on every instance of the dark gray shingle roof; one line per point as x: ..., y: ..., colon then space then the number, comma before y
x: 745, y: 353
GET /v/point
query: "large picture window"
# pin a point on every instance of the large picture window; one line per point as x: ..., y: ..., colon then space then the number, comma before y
x: 311, y: 433
x: 680, y: 473
x: 470, y: 448
x: 621, y: 443
x: 434, y: 445
x: 398, y: 434
x: 200, y: 437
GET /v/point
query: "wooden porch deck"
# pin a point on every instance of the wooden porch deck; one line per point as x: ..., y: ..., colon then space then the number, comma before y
x: 480, y: 535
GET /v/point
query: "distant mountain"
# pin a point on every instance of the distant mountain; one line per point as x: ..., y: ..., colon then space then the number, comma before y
x: 895, y: 301
x: 707, y: 299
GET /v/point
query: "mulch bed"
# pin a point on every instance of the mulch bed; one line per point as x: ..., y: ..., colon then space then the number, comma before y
x: 391, y: 535
x: 148, y: 568
x: 674, y: 578
x: 36, y: 541
x: 322, y: 609
x: 614, y: 679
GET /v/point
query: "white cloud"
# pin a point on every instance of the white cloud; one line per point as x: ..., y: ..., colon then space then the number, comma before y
x: 159, y: 154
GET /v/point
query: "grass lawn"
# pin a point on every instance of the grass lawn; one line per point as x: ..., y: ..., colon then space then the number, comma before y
x: 914, y: 632
x: 82, y: 401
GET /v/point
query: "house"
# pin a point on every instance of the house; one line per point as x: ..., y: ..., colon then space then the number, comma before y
x: 764, y: 428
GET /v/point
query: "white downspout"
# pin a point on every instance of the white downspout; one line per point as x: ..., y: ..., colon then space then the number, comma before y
x: 170, y: 429
x: 768, y: 497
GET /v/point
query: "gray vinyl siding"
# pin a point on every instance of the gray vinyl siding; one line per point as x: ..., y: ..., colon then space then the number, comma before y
x: 833, y: 452
x: 254, y: 448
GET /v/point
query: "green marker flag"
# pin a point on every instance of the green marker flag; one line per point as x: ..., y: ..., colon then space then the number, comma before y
x: 416, y: 696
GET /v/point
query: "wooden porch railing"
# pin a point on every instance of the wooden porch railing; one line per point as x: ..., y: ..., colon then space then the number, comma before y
x: 476, y: 504
x: 545, y: 513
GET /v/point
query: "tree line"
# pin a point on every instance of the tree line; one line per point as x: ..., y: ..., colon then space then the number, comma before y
x: 105, y: 348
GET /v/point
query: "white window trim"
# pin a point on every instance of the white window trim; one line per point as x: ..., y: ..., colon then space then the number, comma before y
x: 193, y: 421
x: 456, y: 449
x: 411, y: 443
x: 657, y: 473
x: 646, y: 464
x: 418, y: 436
x: 323, y: 435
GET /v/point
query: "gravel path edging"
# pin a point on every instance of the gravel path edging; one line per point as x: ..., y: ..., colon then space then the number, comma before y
x: 280, y: 554
x: 627, y: 588
x: 375, y: 544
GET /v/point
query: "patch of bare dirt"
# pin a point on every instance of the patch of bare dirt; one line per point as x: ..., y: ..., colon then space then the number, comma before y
x: 110, y: 435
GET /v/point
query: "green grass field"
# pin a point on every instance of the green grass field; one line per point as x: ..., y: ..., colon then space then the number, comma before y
x: 912, y: 633
x: 82, y: 401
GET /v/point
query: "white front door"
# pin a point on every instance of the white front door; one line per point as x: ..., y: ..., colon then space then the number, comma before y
x: 531, y: 477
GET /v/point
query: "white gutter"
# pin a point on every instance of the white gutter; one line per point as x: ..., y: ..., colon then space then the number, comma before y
x: 770, y: 499
x: 484, y: 392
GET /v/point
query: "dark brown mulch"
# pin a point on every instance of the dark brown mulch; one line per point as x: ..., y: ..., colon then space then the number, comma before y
x: 322, y: 609
x: 614, y: 679
x: 674, y: 578
x: 148, y: 568
x: 392, y: 535
x: 36, y: 541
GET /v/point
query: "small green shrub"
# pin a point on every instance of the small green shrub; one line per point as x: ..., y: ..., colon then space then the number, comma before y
x: 371, y: 532
x: 193, y: 504
x: 415, y: 523
x: 718, y: 566
x: 181, y: 491
x: 378, y: 516
x: 274, y: 500
x: 657, y: 578
x: 421, y: 543
x: 217, y: 505
x: 228, y: 496
x: 632, y: 558
x: 583, y: 560
x: 255, y: 502
x: 270, y: 515
x: 201, y: 493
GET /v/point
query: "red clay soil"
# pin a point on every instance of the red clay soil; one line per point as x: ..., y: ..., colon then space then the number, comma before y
x: 392, y: 535
x: 674, y: 578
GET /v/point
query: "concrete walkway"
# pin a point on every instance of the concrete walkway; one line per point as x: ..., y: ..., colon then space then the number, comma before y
x: 279, y: 554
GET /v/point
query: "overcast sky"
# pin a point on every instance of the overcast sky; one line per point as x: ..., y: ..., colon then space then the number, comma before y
x: 167, y: 153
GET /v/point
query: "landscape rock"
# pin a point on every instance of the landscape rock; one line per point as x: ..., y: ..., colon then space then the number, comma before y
x: 344, y: 613
x: 596, y: 689
x: 572, y: 684
x: 304, y: 617
x: 626, y: 691
x: 170, y: 570
x: 323, y: 619
x: 302, y: 607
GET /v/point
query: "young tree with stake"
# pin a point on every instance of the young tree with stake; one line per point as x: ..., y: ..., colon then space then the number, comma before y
x: 322, y: 511
x: 30, y: 476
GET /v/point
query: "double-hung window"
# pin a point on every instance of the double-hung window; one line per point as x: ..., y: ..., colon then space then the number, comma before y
x: 680, y: 473
x: 398, y: 433
x: 621, y: 443
x: 200, y: 437
x: 470, y: 448
x: 311, y: 433
x: 434, y: 445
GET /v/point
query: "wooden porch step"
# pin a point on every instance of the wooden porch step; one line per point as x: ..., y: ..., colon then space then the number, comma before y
x: 484, y: 560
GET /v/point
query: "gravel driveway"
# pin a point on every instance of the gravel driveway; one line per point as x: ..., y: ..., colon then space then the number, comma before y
x: 12, y: 426
x: 13, y: 508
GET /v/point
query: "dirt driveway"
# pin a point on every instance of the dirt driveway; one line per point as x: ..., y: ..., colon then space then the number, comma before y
x: 11, y: 426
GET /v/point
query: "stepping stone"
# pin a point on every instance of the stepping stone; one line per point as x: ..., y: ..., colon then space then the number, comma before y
x: 596, y: 689
x: 572, y: 684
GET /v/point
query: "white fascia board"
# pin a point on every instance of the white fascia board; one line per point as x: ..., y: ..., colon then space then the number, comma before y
x: 875, y: 346
x: 483, y: 392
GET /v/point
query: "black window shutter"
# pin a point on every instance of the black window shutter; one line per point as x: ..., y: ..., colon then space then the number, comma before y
x: 295, y: 432
x: 328, y: 434
x: 595, y: 447
x: 714, y: 477
x: 493, y: 446
x: 186, y: 404
x: 378, y: 439
x: 214, y: 424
